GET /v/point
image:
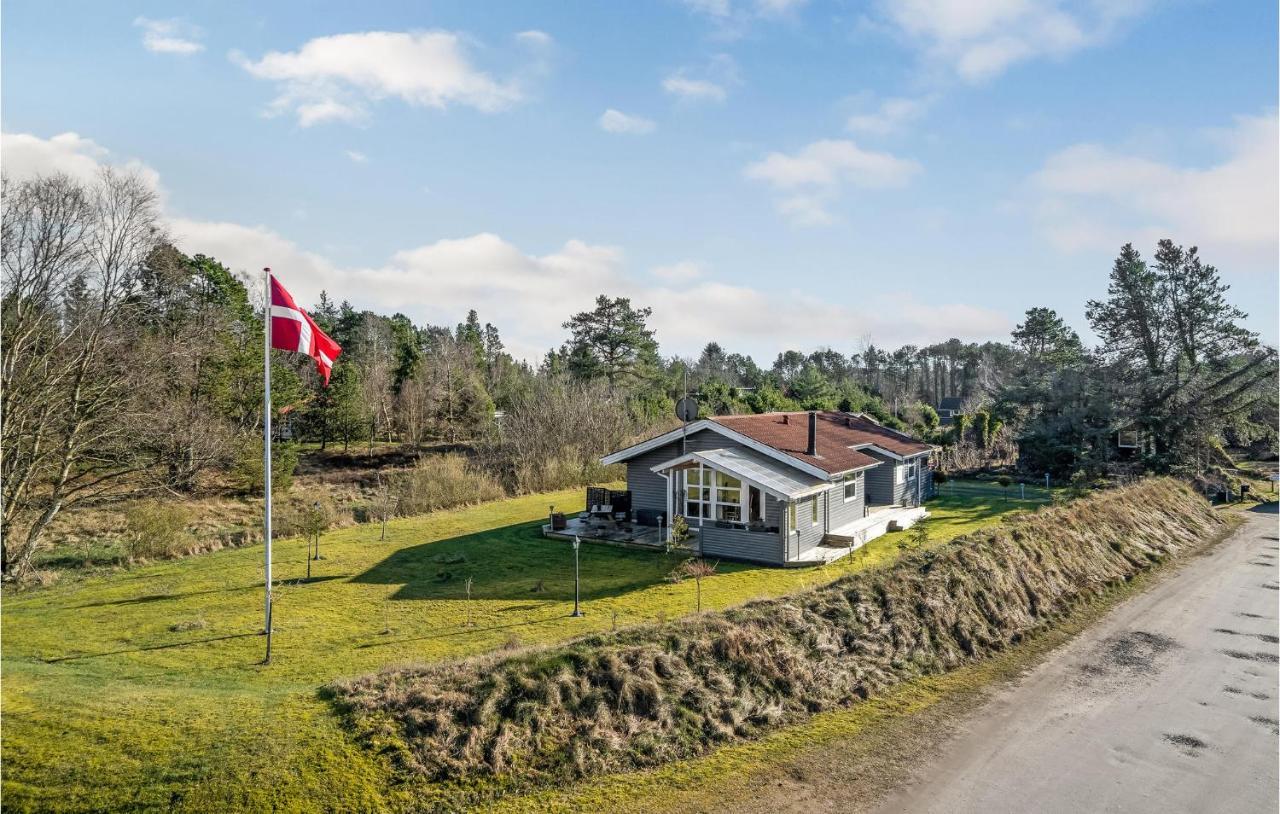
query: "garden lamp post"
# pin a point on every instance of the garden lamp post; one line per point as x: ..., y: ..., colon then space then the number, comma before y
x: 576, y: 583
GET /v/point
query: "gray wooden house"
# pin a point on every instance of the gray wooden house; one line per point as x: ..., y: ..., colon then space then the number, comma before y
x: 779, y: 488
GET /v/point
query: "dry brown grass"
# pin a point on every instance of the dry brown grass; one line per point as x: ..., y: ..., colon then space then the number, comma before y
x: 442, y: 482
x: 644, y: 696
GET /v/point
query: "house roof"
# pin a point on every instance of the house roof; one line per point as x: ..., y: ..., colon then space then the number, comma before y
x: 841, y: 438
x: 951, y: 403
x: 780, y: 479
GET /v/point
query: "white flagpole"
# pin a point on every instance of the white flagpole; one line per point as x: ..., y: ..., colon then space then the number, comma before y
x: 266, y: 454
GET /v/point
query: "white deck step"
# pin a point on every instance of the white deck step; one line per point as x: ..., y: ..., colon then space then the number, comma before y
x: 876, y: 524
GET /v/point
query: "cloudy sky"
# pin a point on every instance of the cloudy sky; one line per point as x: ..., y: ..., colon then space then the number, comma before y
x: 766, y: 173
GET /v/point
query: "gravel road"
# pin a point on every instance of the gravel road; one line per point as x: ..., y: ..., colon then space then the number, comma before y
x: 1168, y: 704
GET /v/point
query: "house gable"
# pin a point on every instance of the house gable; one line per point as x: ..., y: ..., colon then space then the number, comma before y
x: 708, y: 425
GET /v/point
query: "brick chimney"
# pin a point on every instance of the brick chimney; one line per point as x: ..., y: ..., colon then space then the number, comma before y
x: 813, y: 434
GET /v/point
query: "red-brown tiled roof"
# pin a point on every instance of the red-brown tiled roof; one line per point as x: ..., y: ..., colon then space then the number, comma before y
x: 837, y: 432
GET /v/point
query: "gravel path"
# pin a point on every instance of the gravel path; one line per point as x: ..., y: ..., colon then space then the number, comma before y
x: 1169, y: 704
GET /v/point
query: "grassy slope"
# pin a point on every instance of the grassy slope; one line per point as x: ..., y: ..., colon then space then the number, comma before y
x: 866, y: 748
x: 106, y: 708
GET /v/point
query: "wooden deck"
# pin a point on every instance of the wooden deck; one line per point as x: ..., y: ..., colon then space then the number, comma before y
x: 841, y: 541
x: 594, y: 531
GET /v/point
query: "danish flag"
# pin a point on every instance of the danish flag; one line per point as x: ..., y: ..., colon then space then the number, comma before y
x: 292, y: 329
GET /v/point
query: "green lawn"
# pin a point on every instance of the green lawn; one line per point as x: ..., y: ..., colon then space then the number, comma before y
x: 142, y: 689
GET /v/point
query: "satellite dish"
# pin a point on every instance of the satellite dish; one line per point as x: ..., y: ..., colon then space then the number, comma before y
x: 687, y: 409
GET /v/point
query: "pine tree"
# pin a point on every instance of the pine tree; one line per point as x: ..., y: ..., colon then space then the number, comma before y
x: 613, y: 341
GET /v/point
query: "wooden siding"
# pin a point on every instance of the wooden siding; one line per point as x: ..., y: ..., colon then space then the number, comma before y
x: 843, y: 513
x: 648, y: 488
x: 648, y: 491
x: 833, y: 513
x: 741, y: 544
x: 883, y: 488
x: 879, y: 479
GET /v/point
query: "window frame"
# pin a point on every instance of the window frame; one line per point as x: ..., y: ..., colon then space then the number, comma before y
x: 703, y: 501
x: 813, y: 510
x: 713, y: 497
x: 719, y: 491
x: 851, y: 481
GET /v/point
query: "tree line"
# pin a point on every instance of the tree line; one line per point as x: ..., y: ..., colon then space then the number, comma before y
x: 130, y: 367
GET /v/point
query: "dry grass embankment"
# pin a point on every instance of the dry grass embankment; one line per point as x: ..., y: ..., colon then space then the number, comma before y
x: 641, y: 697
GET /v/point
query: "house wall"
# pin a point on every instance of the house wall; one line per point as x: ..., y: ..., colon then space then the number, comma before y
x: 741, y: 544
x: 843, y: 513
x: 883, y: 488
x: 833, y: 512
x: 648, y: 488
x: 806, y: 533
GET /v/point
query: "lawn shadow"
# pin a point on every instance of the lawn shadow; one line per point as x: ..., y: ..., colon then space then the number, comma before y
x: 148, y: 598
x: 517, y: 562
x: 145, y: 648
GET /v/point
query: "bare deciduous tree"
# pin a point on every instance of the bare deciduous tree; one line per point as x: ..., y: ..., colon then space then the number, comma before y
x: 694, y: 569
x: 71, y: 255
x: 554, y: 436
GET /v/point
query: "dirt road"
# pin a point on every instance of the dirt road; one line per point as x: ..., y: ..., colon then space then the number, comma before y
x: 1169, y: 704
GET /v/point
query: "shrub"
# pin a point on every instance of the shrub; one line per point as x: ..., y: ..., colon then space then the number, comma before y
x: 679, y: 536
x: 443, y: 481
x: 248, y: 466
x: 552, y: 436
x: 155, y: 529
x: 42, y: 578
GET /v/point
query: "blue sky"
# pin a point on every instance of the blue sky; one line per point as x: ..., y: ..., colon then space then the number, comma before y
x: 766, y: 173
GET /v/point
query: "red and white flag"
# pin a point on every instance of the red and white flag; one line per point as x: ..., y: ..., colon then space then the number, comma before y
x: 293, y: 329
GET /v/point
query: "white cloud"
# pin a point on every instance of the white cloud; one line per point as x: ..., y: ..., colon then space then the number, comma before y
x: 357, y: 157
x: 693, y: 89
x: 723, y: 9
x: 829, y: 163
x: 815, y: 175
x: 779, y: 8
x: 26, y: 156
x: 335, y: 78
x: 980, y: 39
x: 1090, y: 196
x: 764, y: 323
x: 535, y: 38
x: 709, y: 83
x: 169, y: 36
x: 733, y: 19
x: 807, y: 210
x: 711, y: 8
x: 890, y: 117
x: 615, y: 121
x: 682, y: 271
x: 527, y: 295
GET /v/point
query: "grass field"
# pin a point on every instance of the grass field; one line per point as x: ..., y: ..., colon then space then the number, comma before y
x: 142, y: 689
